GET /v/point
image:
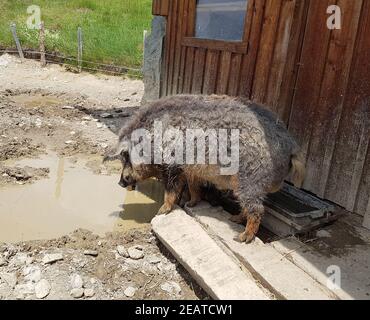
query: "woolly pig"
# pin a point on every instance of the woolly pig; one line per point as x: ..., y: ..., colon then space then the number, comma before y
x: 266, y: 152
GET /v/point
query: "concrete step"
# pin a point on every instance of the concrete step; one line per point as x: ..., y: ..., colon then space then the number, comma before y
x: 284, y: 279
x: 219, y: 273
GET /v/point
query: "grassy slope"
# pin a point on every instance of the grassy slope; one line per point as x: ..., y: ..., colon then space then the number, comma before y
x: 112, y: 29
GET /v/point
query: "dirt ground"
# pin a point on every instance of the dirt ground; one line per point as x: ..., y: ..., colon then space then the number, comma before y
x: 46, y: 110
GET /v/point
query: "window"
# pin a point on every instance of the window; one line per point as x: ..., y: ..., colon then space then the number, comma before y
x: 220, y: 19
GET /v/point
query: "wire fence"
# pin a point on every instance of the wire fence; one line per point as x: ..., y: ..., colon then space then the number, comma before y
x: 60, y: 59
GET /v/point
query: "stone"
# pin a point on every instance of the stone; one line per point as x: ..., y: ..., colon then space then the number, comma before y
x: 171, y: 287
x: 130, y: 292
x: 24, y: 289
x: 323, y: 234
x: 89, y: 293
x: 154, y: 259
x: 2, y: 262
x: 122, y: 251
x: 42, y: 289
x: 32, y: 274
x: 77, y: 293
x: 136, y: 252
x: 10, y: 279
x: 219, y: 273
x: 51, y: 258
x: 76, y: 281
x: 69, y: 142
x: 92, y: 253
x: 106, y: 115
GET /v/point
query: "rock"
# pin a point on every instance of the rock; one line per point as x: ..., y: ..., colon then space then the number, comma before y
x: 76, y: 281
x: 130, y: 292
x: 323, y: 234
x: 9, y: 278
x: 171, y: 287
x: 51, y: 258
x: 77, y: 293
x: 2, y: 262
x: 38, y: 123
x: 22, y: 290
x: 136, y: 252
x: 67, y: 107
x: 106, y: 115
x: 122, y: 251
x: 89, y: 293
x: 99, y: 125
x: 92, y: 253
x: 32, y: 274
x: 154, y: 259
x: 42, y: 289
x: 70, y: 142
x: 86, y: 118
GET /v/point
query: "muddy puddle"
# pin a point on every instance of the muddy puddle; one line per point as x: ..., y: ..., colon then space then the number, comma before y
x: 73, y: 197
x: 36, y: 100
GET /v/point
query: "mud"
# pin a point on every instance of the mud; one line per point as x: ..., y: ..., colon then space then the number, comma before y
x: 55, y: 128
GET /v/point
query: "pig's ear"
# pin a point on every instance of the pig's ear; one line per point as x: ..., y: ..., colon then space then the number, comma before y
x: 119, y: 153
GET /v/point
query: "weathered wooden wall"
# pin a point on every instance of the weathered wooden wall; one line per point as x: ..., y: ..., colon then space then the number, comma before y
x: 316, y: 79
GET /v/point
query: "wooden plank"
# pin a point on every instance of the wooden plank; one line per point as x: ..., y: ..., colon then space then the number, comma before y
x: 233, y: 87
x: 220, y: 275
x: 185, y: 20
x: 198, y: 74
x: 188, y: 76
x: 266, y: 49
x: 287, y: 89
x: 262, y: 260
x: 362, y: 204
x: 249, y: 59
x: 179, y: 36
x: 352, y: 141
x: 160, y: 7
x: 238, y: 47
x: 224, y: 72
x: 330, y: 103
x: 280, y: 56
x: 366, y: 223
x: 172, y: 45
x: 167, y: 50
x: 210, y: 73
x: 310, y: 74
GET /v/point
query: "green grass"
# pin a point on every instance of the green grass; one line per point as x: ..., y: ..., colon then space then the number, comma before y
x: 112, y: 29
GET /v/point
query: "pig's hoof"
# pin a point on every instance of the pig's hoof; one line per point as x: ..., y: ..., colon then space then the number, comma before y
x: 164, y: 210
x: 245, y: 237
x: 239, y: 219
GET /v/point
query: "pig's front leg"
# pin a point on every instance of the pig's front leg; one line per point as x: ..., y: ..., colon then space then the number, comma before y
x: 173, y: 190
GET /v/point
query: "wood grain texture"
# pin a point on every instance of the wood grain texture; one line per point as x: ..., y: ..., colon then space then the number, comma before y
x: 314, y: 78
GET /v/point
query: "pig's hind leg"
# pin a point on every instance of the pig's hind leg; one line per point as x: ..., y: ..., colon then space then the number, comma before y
x: 252, y: 210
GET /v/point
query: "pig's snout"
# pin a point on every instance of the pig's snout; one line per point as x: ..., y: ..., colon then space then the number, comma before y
x: 127, y: 182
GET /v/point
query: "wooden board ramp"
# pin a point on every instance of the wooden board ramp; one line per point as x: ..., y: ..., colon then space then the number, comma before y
x: 202, y: 240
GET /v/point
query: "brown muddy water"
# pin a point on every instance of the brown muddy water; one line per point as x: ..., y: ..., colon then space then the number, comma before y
x: 73, y: 197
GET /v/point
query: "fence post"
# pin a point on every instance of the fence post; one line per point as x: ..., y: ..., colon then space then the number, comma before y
x: 80, y: 48
x: 42, y: 45
x: 145, y: 34
x: 13, y: 28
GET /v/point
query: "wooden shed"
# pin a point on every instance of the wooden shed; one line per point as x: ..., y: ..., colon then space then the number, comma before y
x: 281, y: 53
